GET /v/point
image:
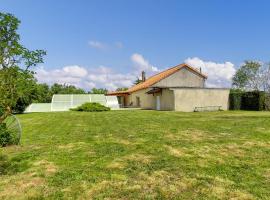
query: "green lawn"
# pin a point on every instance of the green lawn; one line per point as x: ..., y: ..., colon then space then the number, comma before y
x: 139, y: 155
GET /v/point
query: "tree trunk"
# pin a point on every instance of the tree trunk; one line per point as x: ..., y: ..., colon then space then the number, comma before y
x: 6, y: 113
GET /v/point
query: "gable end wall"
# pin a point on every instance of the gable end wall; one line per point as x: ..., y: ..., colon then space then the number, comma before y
x: 182, y: 78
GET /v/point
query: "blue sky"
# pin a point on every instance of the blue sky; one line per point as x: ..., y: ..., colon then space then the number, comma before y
x: 118, y: 38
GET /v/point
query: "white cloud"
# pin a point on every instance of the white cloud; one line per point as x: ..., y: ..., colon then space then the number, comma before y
x: 100, y: 77
x: 97, y: 45
x: 219, y: 74
x: 75, y: 70
x: 67, y: 75
x: 106, y: 77
x: 141, y: 64
x: 103, y: 46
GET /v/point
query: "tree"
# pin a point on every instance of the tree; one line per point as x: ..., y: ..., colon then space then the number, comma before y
x: 65, y: 89
x: 122, y: 89
x: 251, y: 76
x: 99, y: 91
x: 43, y: 93
x: 16, y: 78
x: 137, y: 81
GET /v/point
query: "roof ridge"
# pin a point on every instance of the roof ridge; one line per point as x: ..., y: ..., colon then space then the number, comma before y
x: 161, y: 75
x: 164, y: 71
x: 167, y: 70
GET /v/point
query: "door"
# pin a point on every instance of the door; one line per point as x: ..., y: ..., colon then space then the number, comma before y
x: 158, y: 103
x: 138, y: 102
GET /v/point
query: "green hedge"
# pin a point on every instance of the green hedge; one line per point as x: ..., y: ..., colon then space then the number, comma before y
x: 254, y: 100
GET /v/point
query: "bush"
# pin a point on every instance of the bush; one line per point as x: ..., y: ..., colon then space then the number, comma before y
x: 254, y: 100
x: 235, y: 99
x: 5, y: 136
x: 21, y: 105
x: 91, y: 107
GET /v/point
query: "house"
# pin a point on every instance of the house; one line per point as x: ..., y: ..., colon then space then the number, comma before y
x: 180, y: 88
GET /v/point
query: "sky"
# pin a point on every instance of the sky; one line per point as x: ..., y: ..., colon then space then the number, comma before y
x: 100, y: 43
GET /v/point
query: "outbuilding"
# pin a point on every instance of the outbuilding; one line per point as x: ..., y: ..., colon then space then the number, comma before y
x: 180, y: 88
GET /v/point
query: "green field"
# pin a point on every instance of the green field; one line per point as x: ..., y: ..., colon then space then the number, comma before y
x: 139, y: 155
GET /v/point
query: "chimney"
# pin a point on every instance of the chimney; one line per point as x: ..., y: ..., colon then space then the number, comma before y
x: 143, y: 76
x: 200, y: 70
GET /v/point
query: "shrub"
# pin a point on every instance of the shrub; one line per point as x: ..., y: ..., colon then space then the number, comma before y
x: 5, y: 136
x: 240, y: 100
x: 91, y: 107
x: 235, y: 100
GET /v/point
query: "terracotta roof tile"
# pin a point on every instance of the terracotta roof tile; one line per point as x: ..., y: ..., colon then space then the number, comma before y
x: 156, y: 78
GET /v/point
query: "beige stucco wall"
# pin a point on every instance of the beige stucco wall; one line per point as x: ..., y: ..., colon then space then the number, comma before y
x: 147, y: 100
x: 186, y: 99
x: 182, y: 78
x: 166, y: 99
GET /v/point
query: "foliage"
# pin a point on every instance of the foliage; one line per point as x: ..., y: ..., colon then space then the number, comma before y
x: 137, y: 81
x: 116, y: 155
x: 42, y: 94
x: 240, y: 100
x: 235, y: 99
x: 5, y: 136
x: 98, y: 91
x: 17, y: 81
x: 122, y: 89
x: 91, y: 107
x: 252, y: 75
x: 16, y: 88
x: 12, y: 53
x: 65, y: 89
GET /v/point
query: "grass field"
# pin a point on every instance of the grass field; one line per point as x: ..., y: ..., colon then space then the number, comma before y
x: 139, y: 155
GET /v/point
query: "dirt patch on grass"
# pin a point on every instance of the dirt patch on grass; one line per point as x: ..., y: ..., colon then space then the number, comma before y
x: 177, y: 152
x: 122, y: 162
x: 195, y: 135
x: 168, y: 184
x: 102, y: 187
x: 116, y: 164
x: 23, y: 186
x: 30, y: 184
x: 221, y: 188
x: 191, y: 135
x: 123, y: 141
x: 67, y: 146
x: 72, y: 146
x: 145, y: 186
x: 240, y: 195
x: 249, y: 144
x: 48, y: 168
x: 138, y: 157
x: 231, y: 150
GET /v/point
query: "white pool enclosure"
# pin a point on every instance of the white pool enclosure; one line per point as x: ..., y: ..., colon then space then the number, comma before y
x: 63, y: 102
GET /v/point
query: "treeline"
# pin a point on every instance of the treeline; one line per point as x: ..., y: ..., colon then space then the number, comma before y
x: 44, y: 92
x: 251, y: 87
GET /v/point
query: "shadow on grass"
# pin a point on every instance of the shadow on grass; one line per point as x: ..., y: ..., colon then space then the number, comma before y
x: 12, y: 165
